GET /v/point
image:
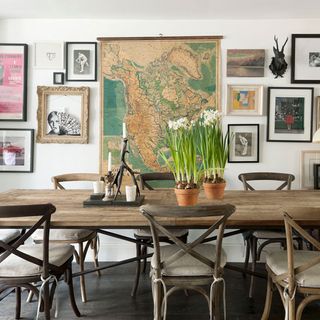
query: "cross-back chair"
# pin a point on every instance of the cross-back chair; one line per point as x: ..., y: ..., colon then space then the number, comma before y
x: 21, y: 266
x: 267, y: 236
x: 293, y: 271
x: 187, y: 265
x: 144, y: 236
x: 82, y: 237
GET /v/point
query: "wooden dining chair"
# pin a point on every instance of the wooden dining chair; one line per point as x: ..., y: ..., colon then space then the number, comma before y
x: 81, y: 237
x: 23, y: 266
x: 152, y: 181
x: 187, y: 265
x: 267, y: 236
x: 293, y: 271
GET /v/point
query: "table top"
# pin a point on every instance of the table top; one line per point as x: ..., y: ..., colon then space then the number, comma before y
x: 253, y: 209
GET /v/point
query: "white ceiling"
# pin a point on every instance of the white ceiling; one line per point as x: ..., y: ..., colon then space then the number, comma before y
x: 160, y: 9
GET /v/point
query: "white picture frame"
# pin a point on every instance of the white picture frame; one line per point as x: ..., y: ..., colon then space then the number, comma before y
x: 307, y: 159
x: 49, y: 55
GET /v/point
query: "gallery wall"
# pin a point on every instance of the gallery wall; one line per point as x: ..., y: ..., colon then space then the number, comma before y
x: 52, y: 159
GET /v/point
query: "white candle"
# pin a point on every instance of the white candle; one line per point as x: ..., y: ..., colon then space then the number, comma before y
x: 124, y: 130
x: 109, y: 162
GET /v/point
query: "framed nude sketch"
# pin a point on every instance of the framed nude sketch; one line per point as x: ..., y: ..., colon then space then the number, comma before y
x: 63, y: 114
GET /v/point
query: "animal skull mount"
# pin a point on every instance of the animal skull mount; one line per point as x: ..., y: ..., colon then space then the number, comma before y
x: 278, y: 65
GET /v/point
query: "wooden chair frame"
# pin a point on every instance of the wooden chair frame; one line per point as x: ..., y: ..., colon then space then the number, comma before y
x: 44, y: 211
x: 156, y: 216
x: 286, y: 283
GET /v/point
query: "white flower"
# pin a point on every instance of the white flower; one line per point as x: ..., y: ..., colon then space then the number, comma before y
x: 210, y: 117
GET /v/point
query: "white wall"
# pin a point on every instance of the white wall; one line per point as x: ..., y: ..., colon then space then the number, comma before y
x: 51, y: 159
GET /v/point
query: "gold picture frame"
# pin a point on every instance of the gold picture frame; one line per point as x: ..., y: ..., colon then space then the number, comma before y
x: 317, y: 113
x: 63, y: 114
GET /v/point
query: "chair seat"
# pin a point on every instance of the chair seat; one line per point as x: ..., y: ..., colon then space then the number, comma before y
x: 14, y: 266
x: 7, y: 235
x: 146, y: 232
x: 188, y: 265
x: 63, y: 234
x: 277, y: 262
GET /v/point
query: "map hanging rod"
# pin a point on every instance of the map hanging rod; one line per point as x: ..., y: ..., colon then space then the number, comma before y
x: 158, y: 37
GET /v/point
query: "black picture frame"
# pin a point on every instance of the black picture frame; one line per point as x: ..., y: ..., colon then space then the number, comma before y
x: 290, y: 114
x: 58, y: 78
x: 305, y: 58
x: 16, y: 150
x: 316, y: 176
x: 84, y: 66
x: 243, y: 143
x: 13, y: 56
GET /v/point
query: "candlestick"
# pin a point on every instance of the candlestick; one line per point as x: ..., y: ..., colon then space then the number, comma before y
x: 124, y: 130
x: 109, y: 162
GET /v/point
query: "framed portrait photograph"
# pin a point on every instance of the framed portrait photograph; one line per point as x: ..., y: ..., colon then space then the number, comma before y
x: 16, y: 150
x: 81, y: 61
x: 58, y: 78
x: 244, y: 100
x: 244, y: 142
x: 289, y: 114
x: 308, y: 159
x: 63, y: 114
x: 13, y: 81
x: 305, y: 57
x: 49, y: 55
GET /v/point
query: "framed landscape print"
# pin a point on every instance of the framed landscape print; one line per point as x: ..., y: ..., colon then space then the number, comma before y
x: 145, y: 82
x: 245, y: 62
x: 308, y: 158
x: 305, y: 55
x: 49, y: 55
x: 290, y: 114
x: 13, y: 81
x: 244, y: 100
x: 16, y: 150
x: 244, y: 142
x: 81, y: 61
x: 63, y: 114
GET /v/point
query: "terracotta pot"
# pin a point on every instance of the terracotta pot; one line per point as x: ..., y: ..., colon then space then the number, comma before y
x: 214, y: 190
x: 187, y: 197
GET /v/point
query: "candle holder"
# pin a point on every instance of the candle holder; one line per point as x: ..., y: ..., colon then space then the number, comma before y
x: 109, y: 190
x: 124, y: 166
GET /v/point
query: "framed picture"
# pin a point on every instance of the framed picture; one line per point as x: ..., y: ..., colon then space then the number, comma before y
x: 316, y: 176
x: 308, y: 158
x: 16, y: 150
x: 145, y: 82
x: 244, y: 100
x: 63, y: 114
x: 305, y: 56
x: 289, y: 114
x: 317, y: 113
x: 58, y: 78
x: 81, y: 61
x: 49, y: 55
x: 245, y: 62
x: 244, y: 142
x: 13, y: 81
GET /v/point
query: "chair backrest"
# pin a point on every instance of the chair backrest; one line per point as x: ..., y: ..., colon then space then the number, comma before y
x: 285, y: 178
x: 71, y: 177
x: 145, y: 178
x: 156, y: 216
x: 43, y: 212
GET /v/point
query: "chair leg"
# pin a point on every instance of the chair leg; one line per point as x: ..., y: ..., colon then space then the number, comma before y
x: 82, y: 279
x: 268, y: 302
x: 253, y: 246
x: 68, y: 280
x: 46, y: 302
x: 217, y: 301
x: 246, y: 261
x: 137, y: 277
x: 94, y: 245
x: 157, y: 300
x: 144, y: 252
x: 18, y: 302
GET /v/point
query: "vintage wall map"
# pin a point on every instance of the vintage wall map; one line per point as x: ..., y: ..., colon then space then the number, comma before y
x: 147, y: 81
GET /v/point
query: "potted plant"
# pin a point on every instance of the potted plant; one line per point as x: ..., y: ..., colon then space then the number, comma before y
x: 180, y: 157
x: 213, y: 147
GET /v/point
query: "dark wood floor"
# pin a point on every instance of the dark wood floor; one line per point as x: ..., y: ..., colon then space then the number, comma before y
x: 109, y: 299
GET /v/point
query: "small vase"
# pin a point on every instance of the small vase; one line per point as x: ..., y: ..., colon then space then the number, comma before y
x: 214, y: 191
x: 187, y: 197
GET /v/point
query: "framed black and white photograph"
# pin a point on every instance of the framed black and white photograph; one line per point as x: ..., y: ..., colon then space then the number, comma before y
x: 290, y: 113
x: 244, y: 142
x: 63, y: 114
x: 16, y: 150
x: 308, y: 160
x: 58, y: 78
x: 49, y: 55
x: 81, y: 61
x: 305, y: 54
